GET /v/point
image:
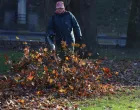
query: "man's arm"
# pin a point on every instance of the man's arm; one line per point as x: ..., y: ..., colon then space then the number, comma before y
x: 76, y: 27
x: 50, y: 33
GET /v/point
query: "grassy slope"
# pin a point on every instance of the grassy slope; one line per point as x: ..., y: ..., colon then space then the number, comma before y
x: 125, y: 101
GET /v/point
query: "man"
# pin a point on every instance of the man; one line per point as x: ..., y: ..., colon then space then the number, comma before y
x: 64, y: 26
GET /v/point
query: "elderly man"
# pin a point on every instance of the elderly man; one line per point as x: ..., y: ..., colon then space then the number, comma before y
x: 64, y: 26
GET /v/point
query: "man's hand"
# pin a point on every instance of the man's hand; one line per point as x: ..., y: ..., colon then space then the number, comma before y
x: 51, y: 43
x: 53, y: 47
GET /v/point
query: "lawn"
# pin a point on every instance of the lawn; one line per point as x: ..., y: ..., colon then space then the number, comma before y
x: 129, y: 100
x: 123, y: 100
x: 13, y: 55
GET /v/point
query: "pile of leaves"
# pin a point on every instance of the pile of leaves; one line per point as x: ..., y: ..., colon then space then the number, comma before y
x: 128, y: 69
x: 42, y: 72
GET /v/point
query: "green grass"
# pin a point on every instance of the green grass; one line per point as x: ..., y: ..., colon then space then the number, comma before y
x: 13, y: 55
x: 125, y: 101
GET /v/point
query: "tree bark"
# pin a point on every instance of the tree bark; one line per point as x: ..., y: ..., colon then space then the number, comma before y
x: 85, y: 12
x: 133, y: 35
x: 49, y: 8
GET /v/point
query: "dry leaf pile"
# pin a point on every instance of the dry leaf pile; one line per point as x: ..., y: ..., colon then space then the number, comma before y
x: 41, y: 74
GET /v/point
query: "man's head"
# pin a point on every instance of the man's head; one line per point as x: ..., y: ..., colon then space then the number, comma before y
x: 60, y: 4
x: 60, y: 8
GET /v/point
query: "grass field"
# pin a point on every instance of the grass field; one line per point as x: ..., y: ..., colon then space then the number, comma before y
x: 13, y: 55
x: 125, y: 101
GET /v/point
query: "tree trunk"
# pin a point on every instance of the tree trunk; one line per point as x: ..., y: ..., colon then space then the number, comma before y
x: 133, y: 34
x: 85, y: 12
x: 49, y: 8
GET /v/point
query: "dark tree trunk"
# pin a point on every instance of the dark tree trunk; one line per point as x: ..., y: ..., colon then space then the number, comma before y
x: 133, y: 34
x: 49, y: 7
x: 85, y: 12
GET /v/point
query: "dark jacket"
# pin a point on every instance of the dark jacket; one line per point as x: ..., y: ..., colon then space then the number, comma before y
x: 63, y: 25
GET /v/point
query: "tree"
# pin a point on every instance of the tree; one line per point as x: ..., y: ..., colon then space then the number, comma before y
x: 85, y: 12
x: 133, y: 34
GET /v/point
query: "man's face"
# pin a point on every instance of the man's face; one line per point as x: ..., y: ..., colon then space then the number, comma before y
x: 60, y: 10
